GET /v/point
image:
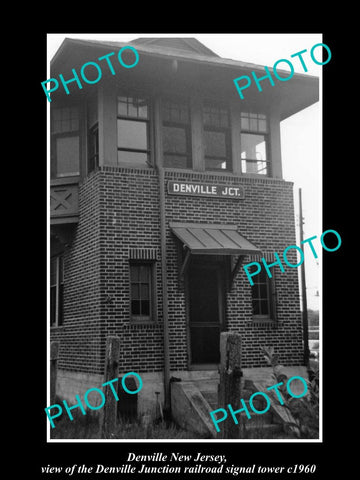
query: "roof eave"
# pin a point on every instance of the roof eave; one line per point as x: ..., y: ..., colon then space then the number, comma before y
x: 289, y: 97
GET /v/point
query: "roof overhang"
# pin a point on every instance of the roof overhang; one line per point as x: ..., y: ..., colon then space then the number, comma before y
x: 165, y: 68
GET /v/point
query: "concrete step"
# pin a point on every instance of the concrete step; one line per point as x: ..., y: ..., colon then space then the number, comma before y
x: 211, y: 397
x: 259, y: 425
x: 207, y: 385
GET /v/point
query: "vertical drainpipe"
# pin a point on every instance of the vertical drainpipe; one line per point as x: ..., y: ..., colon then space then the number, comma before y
x: 161, y: 177
x: 164, y: 291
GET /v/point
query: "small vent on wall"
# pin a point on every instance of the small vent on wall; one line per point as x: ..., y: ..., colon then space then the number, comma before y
x: 269, y: 257
x: 143, y: 254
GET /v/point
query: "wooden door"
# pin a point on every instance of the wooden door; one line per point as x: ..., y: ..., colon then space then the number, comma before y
x: 205, y: 289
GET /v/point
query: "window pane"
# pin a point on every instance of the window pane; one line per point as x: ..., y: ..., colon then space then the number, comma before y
x: 262, y: 125
x: 53, y: 262
x: 52, y: 305
x: 260, y: 294
x: 215, y: 144
x: 137, y: 158
x: 253, y: 146
x: 262, y: 277
x: 132, y: 134
x: 135, y: 307
x: 224, y: 118
x: 175, y: 112
x: 145, y: 307
x: 135, y: 291
x: 65, y: 120
x: 144, y: 273
x: 214, y: 116
x: 144, y: 291
x: 263, y: 290
x: 264, y: 307
x: 250, y: 166
x: 254, y: 122
x: 141, y: 292
x: 245, y: 125
x: 61, y: 269
x: 207, y: 117
x: 67, y: 155
x: 174, y: 140
x: 255, y: 290
x: 215, y: 164
x: 135, y: 273
x: 256, y: 307
x: 176, y: 161
x: 132, y: 107
x: 61, y: 305
x: 122, y: 106
x: 143, y: 111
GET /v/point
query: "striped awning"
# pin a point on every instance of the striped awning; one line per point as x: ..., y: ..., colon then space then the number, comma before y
x: 213, y: 239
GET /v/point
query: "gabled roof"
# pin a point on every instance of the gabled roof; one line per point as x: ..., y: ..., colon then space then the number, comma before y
x: 189, y: 49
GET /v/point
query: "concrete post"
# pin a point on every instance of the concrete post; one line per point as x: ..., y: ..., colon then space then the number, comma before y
x: 111, y: 371
x: 230, y: 381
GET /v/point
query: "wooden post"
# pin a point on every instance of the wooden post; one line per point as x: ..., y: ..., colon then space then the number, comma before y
x: 230, y: 381
x: 111, y: 372
x: 54, y: 353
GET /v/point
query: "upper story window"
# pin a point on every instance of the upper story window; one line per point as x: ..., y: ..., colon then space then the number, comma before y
x: 176, y: 135
x: 133, y: 130
x: 65, y: 141
x: 254, y: 155
x: 217, y: 138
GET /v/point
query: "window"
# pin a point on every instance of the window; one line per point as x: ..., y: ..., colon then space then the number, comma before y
x: 254, y: 156
x: 263, y: 297
x: 216, y: 138
x: 65, y: 141
x: 56, y: 290
x: 176, y: 135
x: 142, y: 291
x: 133, y: 130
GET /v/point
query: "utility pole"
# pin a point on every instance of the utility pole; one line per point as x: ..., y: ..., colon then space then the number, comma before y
x: 303, y: 289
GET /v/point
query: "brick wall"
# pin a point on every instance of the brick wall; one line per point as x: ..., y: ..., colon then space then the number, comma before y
x: 119, y: 210
x: 129, y: 219
x: 266, y: 218
x: 80, y: 346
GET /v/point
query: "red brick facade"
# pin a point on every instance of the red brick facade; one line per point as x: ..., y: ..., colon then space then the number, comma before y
x: 110, y: 143
x: 118, y: 211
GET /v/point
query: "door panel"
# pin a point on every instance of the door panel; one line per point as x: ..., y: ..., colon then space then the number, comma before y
x: 205, y: 313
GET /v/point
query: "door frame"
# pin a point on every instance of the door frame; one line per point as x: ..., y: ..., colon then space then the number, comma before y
x: 218, y: 266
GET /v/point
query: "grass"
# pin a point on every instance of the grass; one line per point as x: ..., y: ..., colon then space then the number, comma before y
x: 85, y: 427
x: 88, y: 427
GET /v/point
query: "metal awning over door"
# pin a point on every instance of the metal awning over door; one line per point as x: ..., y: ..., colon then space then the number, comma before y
x: 213, y: 239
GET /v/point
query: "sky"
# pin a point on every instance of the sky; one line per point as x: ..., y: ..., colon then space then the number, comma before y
x: 301, y: 134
